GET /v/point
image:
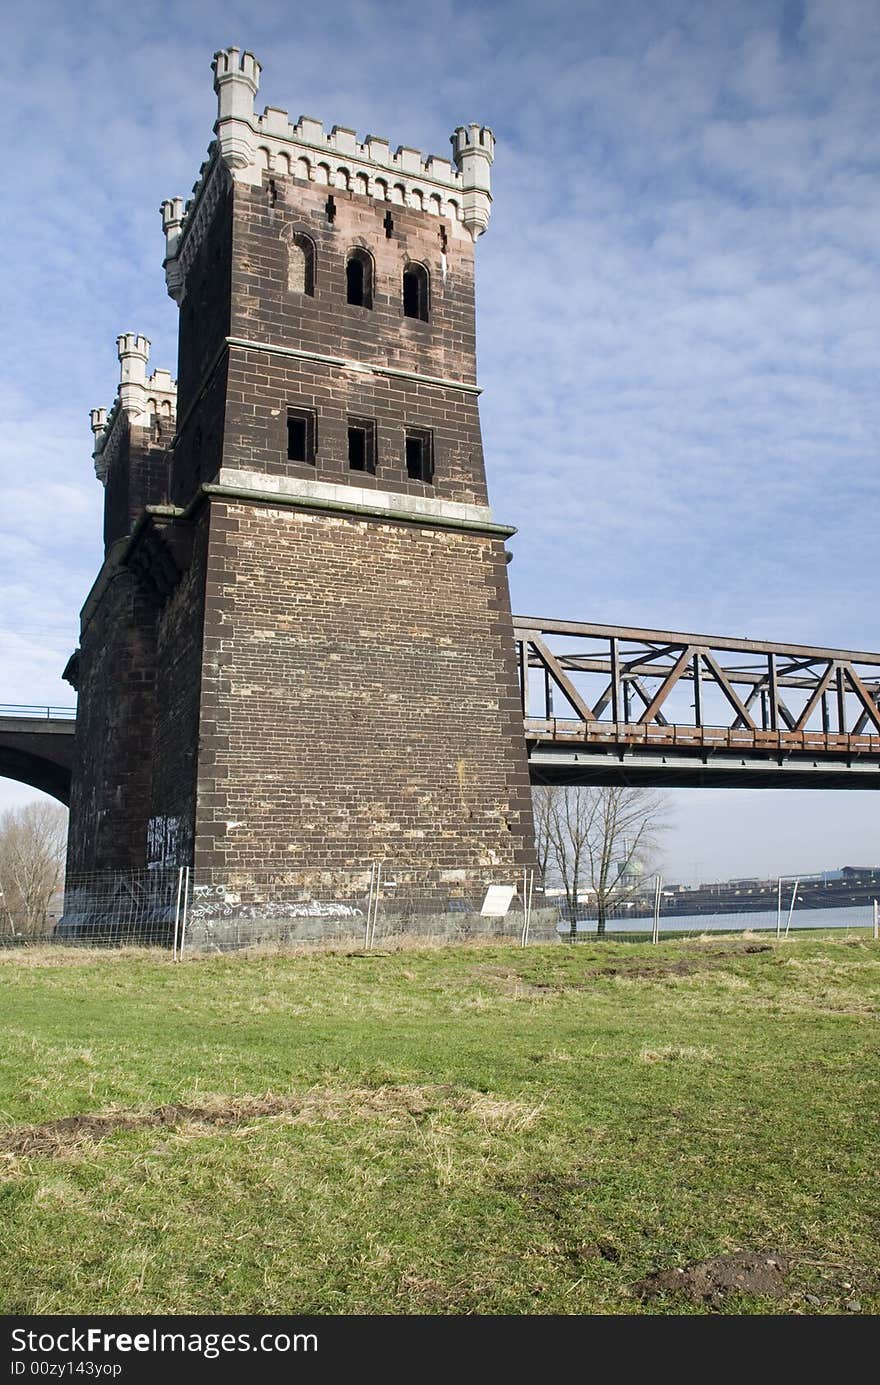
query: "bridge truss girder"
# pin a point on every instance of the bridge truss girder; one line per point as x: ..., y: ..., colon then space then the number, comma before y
x: 615, y: 704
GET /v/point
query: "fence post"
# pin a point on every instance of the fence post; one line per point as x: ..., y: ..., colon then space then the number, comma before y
x: 369, y: 905
x: 185, y: 910
x: 791, y: 908
x: 876, y: 923
x: 177, y: 913
x: 376, y: 904
x: 528, y: 892
x: 778, y: 907
x: 655, y: 929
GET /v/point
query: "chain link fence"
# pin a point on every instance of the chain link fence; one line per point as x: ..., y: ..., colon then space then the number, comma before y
x: 374, y: 906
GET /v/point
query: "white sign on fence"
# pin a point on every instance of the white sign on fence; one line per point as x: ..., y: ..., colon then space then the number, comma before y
x: 497, y: 901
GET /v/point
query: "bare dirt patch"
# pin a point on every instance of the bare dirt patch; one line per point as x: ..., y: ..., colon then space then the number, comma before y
x: 755, y: 1273
x: 510, y: 981
x: 59, y: 1137
x: 684, y: 966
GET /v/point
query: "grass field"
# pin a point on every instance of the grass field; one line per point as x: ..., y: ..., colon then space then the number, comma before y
x: 469, y: 1129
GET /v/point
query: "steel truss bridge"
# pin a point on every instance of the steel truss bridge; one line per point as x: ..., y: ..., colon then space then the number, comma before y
x: 606, y: 704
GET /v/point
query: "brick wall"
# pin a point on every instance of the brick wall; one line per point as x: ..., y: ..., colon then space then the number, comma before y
x: 358, y: 696
x: 201, y: 361
x: 110, y: 792
x: 138, y: 477
x: 175, y: 728
x: 262, y: 384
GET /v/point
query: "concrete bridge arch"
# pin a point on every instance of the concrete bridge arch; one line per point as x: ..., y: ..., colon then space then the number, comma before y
x: 38, y: 750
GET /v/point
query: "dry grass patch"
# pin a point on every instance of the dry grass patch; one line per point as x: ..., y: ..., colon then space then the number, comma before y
x: 61, y: 1137
x: 677, y: 1053
x: 67, y: 955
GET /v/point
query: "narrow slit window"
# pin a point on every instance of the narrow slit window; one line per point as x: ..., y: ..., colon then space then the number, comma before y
x: 420, y: 455
x: 359, y: 279
x: 362, y: 445
x: 301, y: 433
x: 301, y: 266
x: 415, y: 292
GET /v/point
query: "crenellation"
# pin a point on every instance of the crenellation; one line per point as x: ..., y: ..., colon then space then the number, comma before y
x: 250, y: 146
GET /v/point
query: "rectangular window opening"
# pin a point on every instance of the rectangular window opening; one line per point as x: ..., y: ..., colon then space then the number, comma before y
x: 362, y: 445
x: 420, y: 455
x: 301, y: 433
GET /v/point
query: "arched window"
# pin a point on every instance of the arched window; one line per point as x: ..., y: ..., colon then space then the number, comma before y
x: 359, y: 279
x: 301, y: 265
x: 415, y: 292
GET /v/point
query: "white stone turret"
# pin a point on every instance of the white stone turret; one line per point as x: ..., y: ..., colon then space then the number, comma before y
x: 142, y: 400
x: 248, y: 145
x: 236, y: 82
x: 172, y: 222
x: 473, y: 148
x: 134, y: 352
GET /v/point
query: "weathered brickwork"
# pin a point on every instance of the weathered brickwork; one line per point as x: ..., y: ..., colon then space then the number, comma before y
x: 202, y: 360
x: 109, y: 805
x: 263, y: 384
x: 358, y: 698
x: 137, y: 477
x: 175, y: 730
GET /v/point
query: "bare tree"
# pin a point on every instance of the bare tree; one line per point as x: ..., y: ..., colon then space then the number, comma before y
x: 32, y: 844
x: 595, y: 838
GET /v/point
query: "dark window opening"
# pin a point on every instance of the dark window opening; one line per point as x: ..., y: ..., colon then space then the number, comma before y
x: 362, y: 445
x: 419, y: 455
x: 330, y: 209
x: 388, y: 223
x: 300, y: 435
x: 415, y: 292
x: 359, y: 279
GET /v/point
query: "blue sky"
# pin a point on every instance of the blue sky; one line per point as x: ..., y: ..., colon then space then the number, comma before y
x: 677, y: 308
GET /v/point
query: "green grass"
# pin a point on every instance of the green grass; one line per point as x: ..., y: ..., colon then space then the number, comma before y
x: 452, y: 1130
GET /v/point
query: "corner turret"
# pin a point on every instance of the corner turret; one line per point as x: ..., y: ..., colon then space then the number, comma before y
x: 473, y: 148
x: 172, y: 213
x: 142, y: 401
x: 236, y: 82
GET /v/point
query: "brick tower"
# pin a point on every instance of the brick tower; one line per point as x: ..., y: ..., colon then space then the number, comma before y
x: 299, y: 650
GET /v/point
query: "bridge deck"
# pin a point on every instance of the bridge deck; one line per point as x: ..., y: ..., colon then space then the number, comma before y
x: 36, y: 747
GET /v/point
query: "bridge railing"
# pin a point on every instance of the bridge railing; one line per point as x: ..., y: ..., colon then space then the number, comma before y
x: 598, y: 682
x: 37, y: 712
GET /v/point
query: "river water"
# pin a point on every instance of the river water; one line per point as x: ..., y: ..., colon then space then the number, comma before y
x: 857, y: 916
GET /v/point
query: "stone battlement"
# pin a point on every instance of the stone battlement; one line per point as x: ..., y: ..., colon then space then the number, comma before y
x: 142, y: 399
x: 249, y: 145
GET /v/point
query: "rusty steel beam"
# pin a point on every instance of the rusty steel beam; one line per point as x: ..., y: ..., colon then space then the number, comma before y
x: 583, y: 663
x: 523, y: 625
